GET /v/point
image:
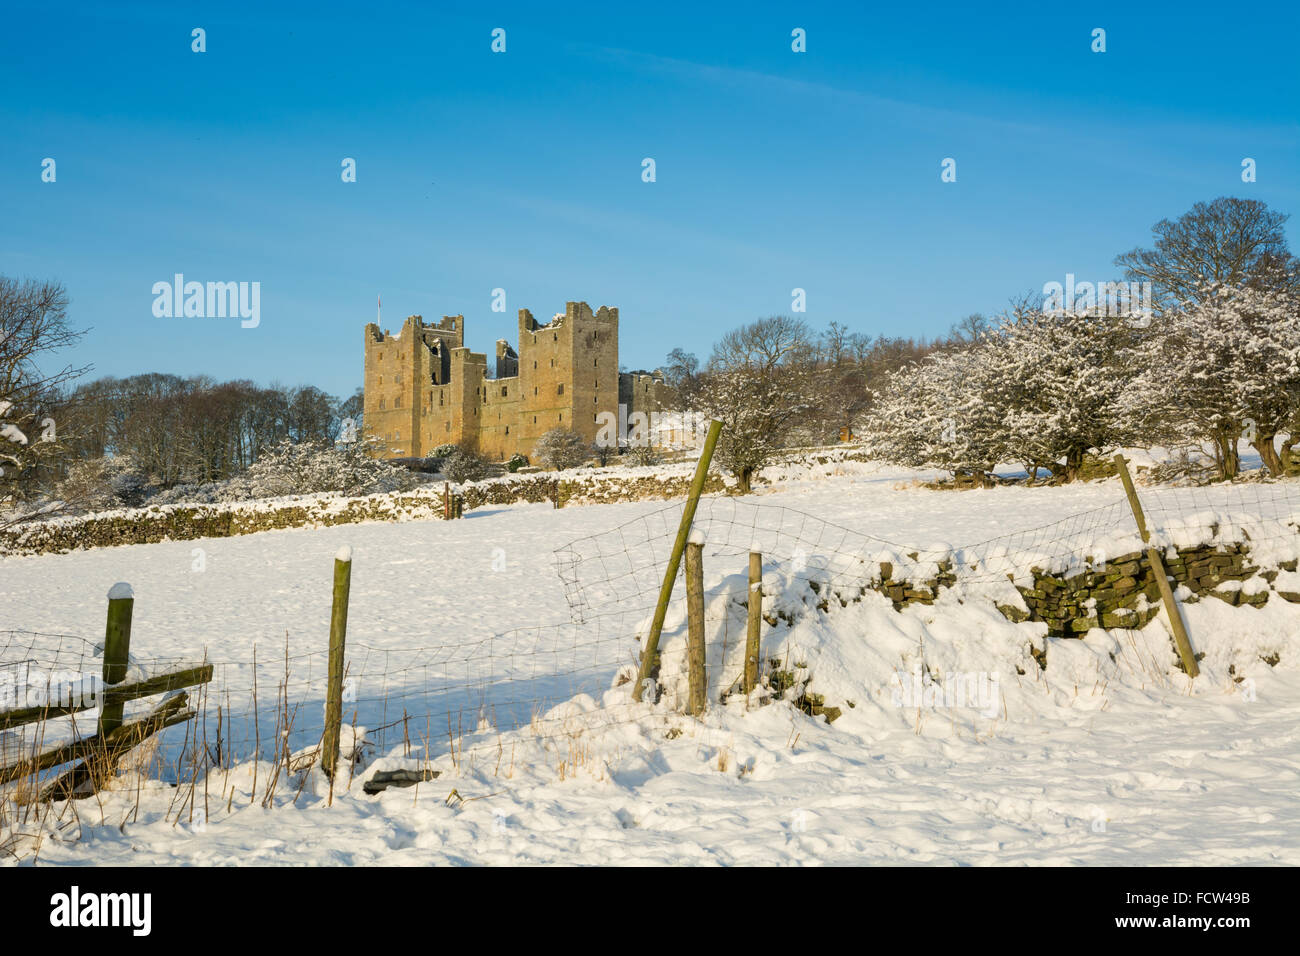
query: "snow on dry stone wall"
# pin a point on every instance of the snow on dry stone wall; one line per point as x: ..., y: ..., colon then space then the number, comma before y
x: 180, y: 522
x: 1123, y: 592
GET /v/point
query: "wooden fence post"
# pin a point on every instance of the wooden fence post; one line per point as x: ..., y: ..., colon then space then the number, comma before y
x: 650, y: 653
x: 755, y: 622
x: 1181, y: 639
x: 695, y: 657
x: 338, y: 634
x: 117, y: 649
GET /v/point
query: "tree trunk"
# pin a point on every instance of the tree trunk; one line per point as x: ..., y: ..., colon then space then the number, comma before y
x: 1285, y: 457
x: 1229, y: 459
x: 743, y: 479
x: 1268, y: 454
x: 1073, y: 464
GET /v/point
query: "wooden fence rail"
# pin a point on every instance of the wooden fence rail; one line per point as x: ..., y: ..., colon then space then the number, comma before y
x: 96, y: 757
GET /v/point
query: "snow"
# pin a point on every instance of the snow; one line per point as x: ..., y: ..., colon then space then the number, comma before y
x: 344, y: 553
x: 120, y: 591
x: 1110, y: 756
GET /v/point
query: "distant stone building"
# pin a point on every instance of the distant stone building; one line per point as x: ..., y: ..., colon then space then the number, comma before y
x: 424, y: 388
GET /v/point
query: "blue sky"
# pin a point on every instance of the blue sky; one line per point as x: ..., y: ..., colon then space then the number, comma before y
x: 522, y: 170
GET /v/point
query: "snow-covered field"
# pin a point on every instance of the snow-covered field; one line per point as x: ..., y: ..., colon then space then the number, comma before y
x: 1109, y: 756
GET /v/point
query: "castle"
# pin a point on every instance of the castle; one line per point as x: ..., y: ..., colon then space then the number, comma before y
x: 424, y: 388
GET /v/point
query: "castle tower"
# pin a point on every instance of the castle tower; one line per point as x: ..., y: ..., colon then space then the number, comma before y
x: 424, y: 388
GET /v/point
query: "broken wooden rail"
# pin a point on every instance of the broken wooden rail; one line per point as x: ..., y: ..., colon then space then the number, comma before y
x: 114, y: 736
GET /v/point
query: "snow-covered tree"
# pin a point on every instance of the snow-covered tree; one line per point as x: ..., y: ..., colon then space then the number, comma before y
x: 1058, y: 381
x: 1041, y: 390
x: 560, y: 448
x: 759, y: 385
x: 1223, y: 368
x: 464, y: 464
x: 934, y: 413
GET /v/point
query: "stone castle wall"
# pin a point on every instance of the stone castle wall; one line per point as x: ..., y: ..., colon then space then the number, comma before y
x: 424, y: 388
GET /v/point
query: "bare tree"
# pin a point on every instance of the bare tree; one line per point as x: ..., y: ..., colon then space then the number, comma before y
x: 970, y: 329
x: 1225, y: 242
x: 33, y: 327
x: 682, y: 375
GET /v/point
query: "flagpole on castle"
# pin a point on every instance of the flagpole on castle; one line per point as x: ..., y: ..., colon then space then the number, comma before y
x: 378, y: 304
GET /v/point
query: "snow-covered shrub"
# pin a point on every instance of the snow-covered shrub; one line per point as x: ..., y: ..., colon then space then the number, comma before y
x: 644, y: 454
x: 560, y: 448
x: 516, y: 462
x: 98, y: 484
x: 463, y: 464
x: 300, y: 469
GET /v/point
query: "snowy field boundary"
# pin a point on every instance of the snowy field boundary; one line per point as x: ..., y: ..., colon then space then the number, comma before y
x: 582, y: 486
x: 537, y: 679
x: 187, y: 522
x: 844, y: 654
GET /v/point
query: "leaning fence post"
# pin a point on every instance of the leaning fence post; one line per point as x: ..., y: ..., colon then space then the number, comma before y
x: 755, y: 622
x: 117, y: 649
x: 650, y: 653
x: 1181, y: 639
x: 695, y: 658
x: 338, y: 633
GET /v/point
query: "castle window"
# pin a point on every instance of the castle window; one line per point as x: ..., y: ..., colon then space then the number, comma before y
x: 381, y: 404
x: 559, y: 389
x: 534, y: 389
x: 503, y: 391
x: 552, y: 363
x: 448, y: 426
x: 534, y: 363
x: 381, y: 380
x: 507, y: 429
x: 397, y: 402
x: 595, y: 363
x: 561, y: 416
x: 555, y: 336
